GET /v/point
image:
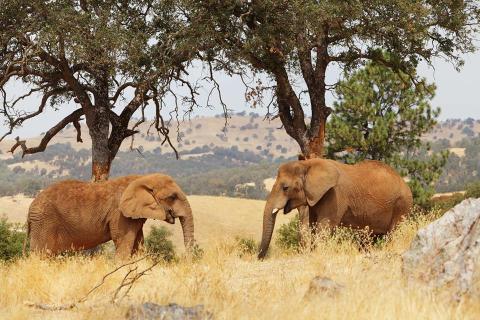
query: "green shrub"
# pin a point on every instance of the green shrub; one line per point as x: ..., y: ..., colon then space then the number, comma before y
x: 473, y: 190
x: 158, y: 244
x: 288, y: 237
x: 246, y: 246
x: 11, y: 240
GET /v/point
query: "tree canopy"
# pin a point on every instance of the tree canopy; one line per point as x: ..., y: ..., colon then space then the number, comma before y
x: 294, y: 42
x: 108, y: 58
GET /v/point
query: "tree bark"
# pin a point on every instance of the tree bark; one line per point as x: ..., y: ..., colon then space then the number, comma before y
x: 98, y: 125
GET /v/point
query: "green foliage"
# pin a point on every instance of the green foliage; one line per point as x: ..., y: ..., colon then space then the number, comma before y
x: 11, y: 240
x: 473, y: 190
x: 158, y: 244
x: 381, y: 116
x: 246, y: 246
x: 288, y: 237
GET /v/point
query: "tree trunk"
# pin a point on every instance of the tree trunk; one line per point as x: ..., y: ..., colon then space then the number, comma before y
x: 313, y: 145
x: 98, y: 126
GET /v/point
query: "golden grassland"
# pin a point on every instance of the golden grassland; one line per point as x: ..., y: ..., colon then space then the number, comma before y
x: 232, y: 285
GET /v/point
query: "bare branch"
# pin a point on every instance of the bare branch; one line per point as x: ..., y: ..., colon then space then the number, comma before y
x: 74, y: 116
x: 161, y: 128
x: 16, y: 121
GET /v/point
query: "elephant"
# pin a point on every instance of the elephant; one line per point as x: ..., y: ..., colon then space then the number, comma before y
x: 367, y: 194
x: 77, y: 215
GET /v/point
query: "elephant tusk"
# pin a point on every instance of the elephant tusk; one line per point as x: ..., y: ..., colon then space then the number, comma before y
x: 276, y: 211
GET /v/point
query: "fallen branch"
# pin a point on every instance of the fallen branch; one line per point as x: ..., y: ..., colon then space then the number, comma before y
x: 127, y: 282
x: 53, y: 307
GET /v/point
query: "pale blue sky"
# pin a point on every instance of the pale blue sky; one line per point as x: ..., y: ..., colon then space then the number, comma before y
x: 458, y: 95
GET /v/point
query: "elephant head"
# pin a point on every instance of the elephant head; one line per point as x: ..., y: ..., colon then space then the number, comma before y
x: 157, y: 196
x: 298, y: 183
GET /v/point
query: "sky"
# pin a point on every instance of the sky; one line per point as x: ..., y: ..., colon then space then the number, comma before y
x: 458, y: 95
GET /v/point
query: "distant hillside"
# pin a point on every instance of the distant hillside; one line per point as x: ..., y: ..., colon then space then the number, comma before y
x: 246, y: 132
x: 215, y: 160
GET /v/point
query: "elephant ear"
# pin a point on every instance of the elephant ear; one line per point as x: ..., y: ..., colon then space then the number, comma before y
x: 320, y: 177
x: 138, y: 201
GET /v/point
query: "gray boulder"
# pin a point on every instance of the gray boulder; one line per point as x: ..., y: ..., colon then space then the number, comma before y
x: 446, y: 253
x: 172, y: 311
x: 323, y: 286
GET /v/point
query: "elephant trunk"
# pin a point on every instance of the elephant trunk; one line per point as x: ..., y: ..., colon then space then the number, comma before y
x: 186, y: 221
x: 268, y: 224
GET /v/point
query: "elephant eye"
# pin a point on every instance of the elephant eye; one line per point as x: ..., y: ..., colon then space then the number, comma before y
x: 172, y: 197
x: 285, y: 188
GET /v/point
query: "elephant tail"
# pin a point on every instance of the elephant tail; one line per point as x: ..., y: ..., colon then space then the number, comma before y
x: 25, y: 241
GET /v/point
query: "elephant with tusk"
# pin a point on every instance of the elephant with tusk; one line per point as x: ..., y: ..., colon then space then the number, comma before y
x: 75, y: 215
x: 368, y: 194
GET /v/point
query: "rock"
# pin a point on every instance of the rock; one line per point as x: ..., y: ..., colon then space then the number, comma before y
x: 172, y: 311
x: 446, y: 253
x: 323, y: 285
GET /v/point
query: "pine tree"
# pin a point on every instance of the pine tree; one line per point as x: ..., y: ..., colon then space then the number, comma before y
x: 381, y: 115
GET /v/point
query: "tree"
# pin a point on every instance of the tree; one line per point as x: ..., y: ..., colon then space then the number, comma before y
x: 292, y: 40
x: 381, y: 116
x: 111, y: 58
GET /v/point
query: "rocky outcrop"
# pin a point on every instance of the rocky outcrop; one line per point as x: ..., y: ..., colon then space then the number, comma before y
x: 446, y: 253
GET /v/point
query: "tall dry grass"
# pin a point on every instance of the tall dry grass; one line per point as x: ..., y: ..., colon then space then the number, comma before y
x: 237, y: 286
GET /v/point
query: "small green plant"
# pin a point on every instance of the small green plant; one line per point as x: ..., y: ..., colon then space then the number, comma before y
x: 197, y: 252
x: 288, y: 237
x: 157, y: 243
x: 11, y: 240
x: 246, y: 246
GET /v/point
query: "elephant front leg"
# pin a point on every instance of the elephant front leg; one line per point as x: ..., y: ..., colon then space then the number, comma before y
x: 138, y: 242
x: 124, y: 246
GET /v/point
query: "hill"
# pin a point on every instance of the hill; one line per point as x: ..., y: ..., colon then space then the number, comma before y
x: 246, y: 132
x: 216, y: 161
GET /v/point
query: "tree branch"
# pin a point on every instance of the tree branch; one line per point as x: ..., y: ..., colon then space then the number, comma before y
x: 73, y: 117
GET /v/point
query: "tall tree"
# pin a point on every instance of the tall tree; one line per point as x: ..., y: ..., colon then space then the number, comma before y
x: 380, y: 115
x: 111, y: 58
x: 292, y: 40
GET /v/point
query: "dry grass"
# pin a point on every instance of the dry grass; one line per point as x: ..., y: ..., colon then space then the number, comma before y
x: 234, y: 287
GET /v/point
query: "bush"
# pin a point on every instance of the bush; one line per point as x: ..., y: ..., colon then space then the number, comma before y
x: 11, y: 240
x: 288, y: 237
x: 246, y: 246
x: 473, y: 190
x: 158, y: 244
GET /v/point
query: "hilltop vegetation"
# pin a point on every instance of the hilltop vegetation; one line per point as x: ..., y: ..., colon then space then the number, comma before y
x: 216, y: 167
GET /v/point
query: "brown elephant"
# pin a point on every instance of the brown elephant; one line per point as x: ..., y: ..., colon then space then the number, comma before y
x: 368, y: 194
x: 75, y: 215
